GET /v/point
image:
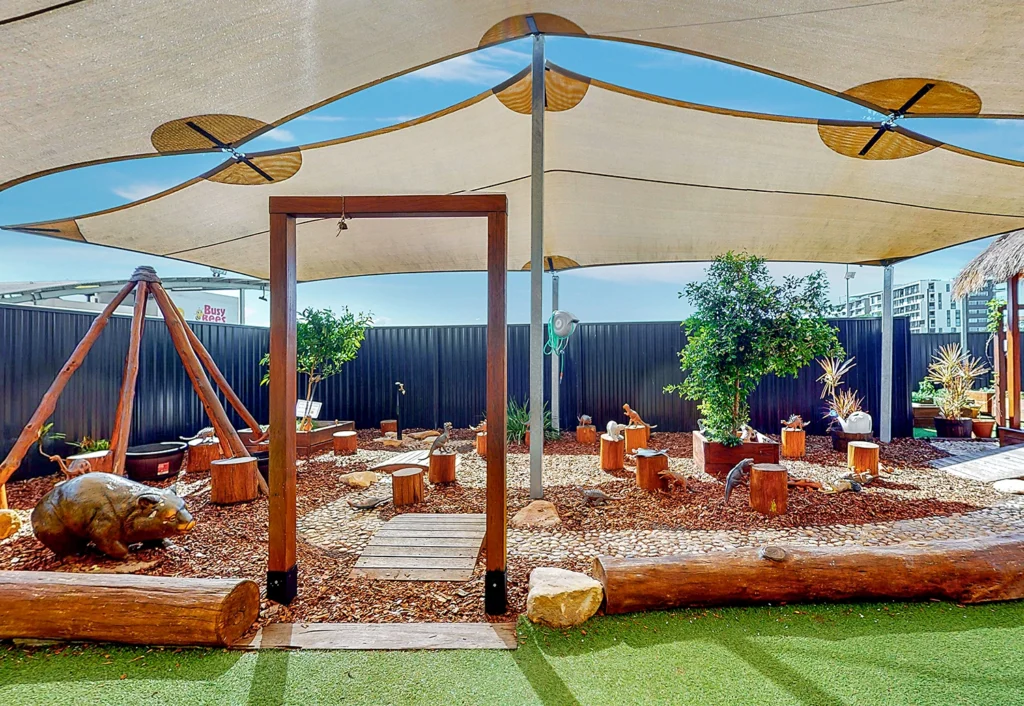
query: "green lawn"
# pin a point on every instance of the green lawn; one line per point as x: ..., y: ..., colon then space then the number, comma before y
x: 928, y: 653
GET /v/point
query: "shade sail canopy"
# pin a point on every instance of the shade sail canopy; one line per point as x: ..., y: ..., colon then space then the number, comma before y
x: 629, y: 178
x: 91, y: 80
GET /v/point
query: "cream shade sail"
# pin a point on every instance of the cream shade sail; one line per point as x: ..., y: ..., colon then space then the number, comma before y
x: 630, y: 179
x: 92, y: 80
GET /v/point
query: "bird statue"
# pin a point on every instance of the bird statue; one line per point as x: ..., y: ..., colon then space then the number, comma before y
x: 736, y: 475
x: 592, y: 496
x: 440, y: 442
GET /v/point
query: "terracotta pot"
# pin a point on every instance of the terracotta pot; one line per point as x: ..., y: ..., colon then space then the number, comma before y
x: 840, y: 439
x: 983, y: 428
x: 953, y: 428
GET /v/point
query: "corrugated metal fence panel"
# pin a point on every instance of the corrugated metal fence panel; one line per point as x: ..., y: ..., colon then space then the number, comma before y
x: 443, y: 368
x: 923, y: 346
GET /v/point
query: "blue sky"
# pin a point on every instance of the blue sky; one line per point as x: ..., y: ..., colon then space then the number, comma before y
x: 458, y: 298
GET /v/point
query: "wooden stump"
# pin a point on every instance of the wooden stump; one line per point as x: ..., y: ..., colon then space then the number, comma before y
x: 794, y: 443
x: 481, y: 443
x: 636, y: 437
x: 648, y: 470
x: 526, y: 438
x: 3, y: 496
x: 586, y: 434
x: 201, y: 453
x: 612, y: 453
x: 407, y: 486
x: 233, y: 480
x: 99, y: 461
x: 862, y: 456
x: 768, y: 488
x: 345, y: 443
x: 141, y: 610
x: 441, y: 468
x: 387, y: 425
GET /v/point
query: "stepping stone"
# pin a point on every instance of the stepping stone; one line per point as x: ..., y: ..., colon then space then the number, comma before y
x: 1011, y: 487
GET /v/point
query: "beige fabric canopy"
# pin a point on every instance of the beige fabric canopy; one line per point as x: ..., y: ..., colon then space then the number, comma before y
x: 92, y: 80
x: 629, y: 179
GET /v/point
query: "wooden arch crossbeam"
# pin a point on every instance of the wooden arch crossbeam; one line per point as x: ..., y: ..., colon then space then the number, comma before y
x: 282, y: 573
x: 194, y: 356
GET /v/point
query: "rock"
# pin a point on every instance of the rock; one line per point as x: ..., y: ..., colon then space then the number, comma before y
x: 539, y: 513
x: 359, y: 479
x: 10, y: 523
x: 1012, y: 486
x: 561, y: 599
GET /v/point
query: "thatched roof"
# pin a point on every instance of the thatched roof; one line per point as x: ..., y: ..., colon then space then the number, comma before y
x: 999, y: 261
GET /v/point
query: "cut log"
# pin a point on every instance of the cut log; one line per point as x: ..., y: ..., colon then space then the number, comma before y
x: 769, y: 488
x: 201, y: 453
x: 99, y: 461
x: 636, y: 437
x: 862, y: 456
x: 387, y: 425
x: 526, y: 438
x: 407, y: 487
x: 481, y: 443
x: 233, y: 480
x: 962, y: 570
x: 794, y: 443
x: 586, y: 434
x: 441, y: 468
x: 648, y: 472
x: 138, y: 610
x: 612, y: 453
x: 345, y: 443
x: 3, y: 496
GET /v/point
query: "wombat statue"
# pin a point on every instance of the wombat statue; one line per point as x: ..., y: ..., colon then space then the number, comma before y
x: 110, y: 511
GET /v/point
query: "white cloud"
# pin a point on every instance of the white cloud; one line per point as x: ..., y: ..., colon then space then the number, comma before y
x: 279, y: 134
x: 314, y: 118
x: 486, y: 67
x: 139, y: 190
x: 396, y: 118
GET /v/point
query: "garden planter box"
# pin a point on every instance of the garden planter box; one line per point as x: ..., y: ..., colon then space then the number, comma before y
x: 307, y: 443
x: 983, y: 399
x: 717, y: 460
x: 924, y: 414
x: 953, y: 428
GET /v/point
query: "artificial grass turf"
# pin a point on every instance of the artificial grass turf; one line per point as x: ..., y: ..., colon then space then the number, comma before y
x: 921, y: 654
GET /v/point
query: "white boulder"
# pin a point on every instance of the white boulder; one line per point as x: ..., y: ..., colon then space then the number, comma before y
x: 561, y: 599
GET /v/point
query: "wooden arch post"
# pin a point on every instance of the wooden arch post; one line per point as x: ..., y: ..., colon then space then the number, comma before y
x: 282, y: 575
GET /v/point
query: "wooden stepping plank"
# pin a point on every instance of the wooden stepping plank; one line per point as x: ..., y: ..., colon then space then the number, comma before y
x: 383, y: 636
x: 986, y: 467
x: 418, y: 547
x: 410, y: 459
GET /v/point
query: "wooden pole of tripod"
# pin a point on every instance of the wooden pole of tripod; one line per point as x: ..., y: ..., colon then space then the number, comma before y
x: 126, y: 402
x: 43, y: 412
x: 218, y: 417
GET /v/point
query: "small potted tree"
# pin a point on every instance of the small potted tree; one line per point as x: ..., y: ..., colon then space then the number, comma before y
x: 746, y: 326
x: 324, y: 342
x: 845, y: 408
x: 955, y: 371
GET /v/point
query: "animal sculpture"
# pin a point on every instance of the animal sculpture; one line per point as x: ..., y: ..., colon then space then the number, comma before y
x: 108, y: 511
x: 675, y: 478
x: 593, y: 496
x: 585, y: 420
x: 481, y: 427
x: 748, y: 434
x: 614, y: 430
x: 368, y: 503
x: 634, y: 418
x: 736, y: 475
x: 841, y: 487
x: 794, y: 423
x: 441, y: 442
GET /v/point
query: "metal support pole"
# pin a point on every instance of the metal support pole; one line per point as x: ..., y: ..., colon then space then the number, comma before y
x: 241, y: 309
x: 537, y: 273
x: 885, y: 423
x: 965, y: 326
x: 556, y: 363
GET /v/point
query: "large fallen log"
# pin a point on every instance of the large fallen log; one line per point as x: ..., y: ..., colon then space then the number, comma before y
x: 963, y: 570
x: 140, y: 610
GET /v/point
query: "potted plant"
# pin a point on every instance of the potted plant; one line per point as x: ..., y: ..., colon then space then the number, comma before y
x: 324, y: 342
x: 848, y: 421
x: 956, y: 372
x: 923, y: 404
x: 744, y: 327
x: 518, y: 429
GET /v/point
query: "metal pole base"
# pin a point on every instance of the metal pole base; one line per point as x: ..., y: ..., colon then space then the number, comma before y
x: 495, y: 593
x: 283, y: 586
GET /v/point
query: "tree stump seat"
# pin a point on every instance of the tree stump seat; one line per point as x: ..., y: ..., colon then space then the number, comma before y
x: 407, y: 486
x: 612, y: 453
x: 345, y: 443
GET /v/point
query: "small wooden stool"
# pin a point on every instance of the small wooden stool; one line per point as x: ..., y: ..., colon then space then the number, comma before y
x: 345, y: 443
x: 769, y: 488
x: 387, y: 425
x: 612, y: 453
x: 648, y: 472
x: 636, y: 437
x: 794, y: 443
x: 201, y: 453
x: 407, y: 486
x: 862, y: 456
x: 441, y: 468
x: 233, y: 480
x: 481, y: 443
x: 586, y: 434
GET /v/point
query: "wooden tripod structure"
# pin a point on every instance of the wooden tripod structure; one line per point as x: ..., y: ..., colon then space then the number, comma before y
x: 194, y: 356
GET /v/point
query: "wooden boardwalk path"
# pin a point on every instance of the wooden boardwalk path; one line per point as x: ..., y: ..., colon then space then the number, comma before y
x: 986, y: 466
x: 409, y: 459
x: 423, y: 547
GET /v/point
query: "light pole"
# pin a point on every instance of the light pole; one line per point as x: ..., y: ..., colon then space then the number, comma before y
x: 849, y: 275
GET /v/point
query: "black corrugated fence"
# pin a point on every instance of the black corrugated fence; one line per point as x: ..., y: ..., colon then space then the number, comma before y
x: 443, y: 369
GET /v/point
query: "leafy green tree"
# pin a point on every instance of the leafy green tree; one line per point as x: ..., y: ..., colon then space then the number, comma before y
x: 324, y: 342
x: 745, y: 327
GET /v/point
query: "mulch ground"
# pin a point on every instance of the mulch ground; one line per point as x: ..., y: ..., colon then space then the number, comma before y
x: 231, y: 541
